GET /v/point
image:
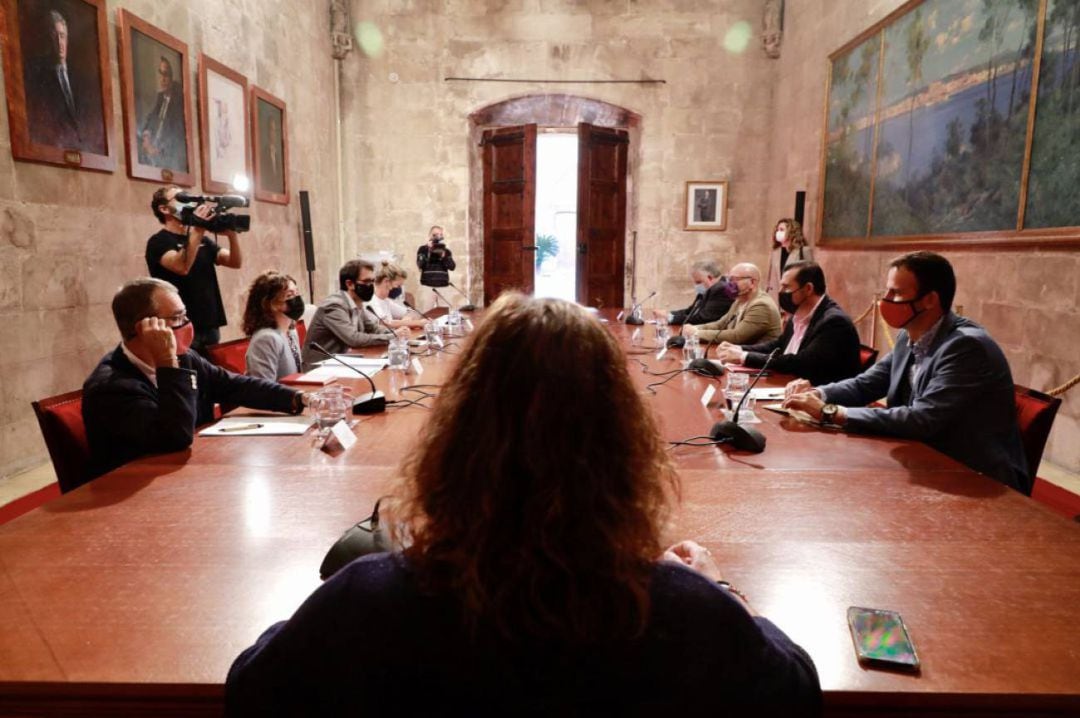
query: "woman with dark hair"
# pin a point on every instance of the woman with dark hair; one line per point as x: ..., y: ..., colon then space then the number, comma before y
x: 270, y: 316
x: 532, y: 578
x: 788, y: 244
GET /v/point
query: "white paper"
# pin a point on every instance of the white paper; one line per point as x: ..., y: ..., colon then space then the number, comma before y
x: 660, y: 354
x: 260, y: 426
x: 337, y: 371
x: 343, y: 434
x: 417, y: 366
x: 770, y: 393
x: 365, y: 363
x: 710, y: 392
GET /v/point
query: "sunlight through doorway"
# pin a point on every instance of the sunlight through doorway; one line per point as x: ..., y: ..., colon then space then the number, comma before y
x: 556, y: 215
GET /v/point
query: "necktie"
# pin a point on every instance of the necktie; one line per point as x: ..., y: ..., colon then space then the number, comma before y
x: 69, y: 100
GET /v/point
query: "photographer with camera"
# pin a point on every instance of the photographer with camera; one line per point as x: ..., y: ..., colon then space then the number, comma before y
x: 435, y: 260
x: 184, y: 256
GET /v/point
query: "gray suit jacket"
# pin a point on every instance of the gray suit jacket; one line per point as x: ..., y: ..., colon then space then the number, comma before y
x: 339, y: 324
x: 962, y: 402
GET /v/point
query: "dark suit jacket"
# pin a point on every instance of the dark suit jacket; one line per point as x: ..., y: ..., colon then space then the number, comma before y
x: 706, y: 308
x: 962, y: 402
x: 172, y: 144
x: 829, y: 350
x: 126, y: 416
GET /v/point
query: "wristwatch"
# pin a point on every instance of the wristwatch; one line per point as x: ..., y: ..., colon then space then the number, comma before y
x: 828, y: 414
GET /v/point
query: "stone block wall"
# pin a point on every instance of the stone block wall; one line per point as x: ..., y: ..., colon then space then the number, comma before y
x: 407, y: 129
x: 68, y: 239
x: 1027, y: 300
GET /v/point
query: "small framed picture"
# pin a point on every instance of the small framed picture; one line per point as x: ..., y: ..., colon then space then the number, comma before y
x: 706, y: 205
x: 56, y: 74
x: 156, y: 93
x: 270, y: 152
x: 223, y: 128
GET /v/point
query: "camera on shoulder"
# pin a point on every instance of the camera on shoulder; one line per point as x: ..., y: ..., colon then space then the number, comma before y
x: 220, y: 219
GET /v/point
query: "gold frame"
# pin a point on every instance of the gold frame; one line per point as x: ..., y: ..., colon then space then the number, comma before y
x: 720, y: 224
x: 1052, y: 237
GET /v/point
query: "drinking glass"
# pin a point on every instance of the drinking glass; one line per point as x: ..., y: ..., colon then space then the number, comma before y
x: 736, y: 387
x: 398, y: 354
x: 663, y: 333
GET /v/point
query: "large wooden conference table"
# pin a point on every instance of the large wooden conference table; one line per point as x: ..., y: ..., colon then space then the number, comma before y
x: 133, y: 594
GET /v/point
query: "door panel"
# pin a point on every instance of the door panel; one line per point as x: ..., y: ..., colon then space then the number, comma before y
x: 601, y: 232
x: 509, y: 209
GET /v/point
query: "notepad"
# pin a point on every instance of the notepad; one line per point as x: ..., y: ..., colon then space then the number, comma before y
x: 259, y: 425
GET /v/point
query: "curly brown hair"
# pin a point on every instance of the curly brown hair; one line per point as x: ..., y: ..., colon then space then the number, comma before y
x: 796, y: 238
x: 541, y: 485
x: 257, y: 312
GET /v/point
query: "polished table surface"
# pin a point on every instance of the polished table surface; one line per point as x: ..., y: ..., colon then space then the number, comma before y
x: 133, y: 594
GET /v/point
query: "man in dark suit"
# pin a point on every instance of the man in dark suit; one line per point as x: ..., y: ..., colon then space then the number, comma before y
x: 712, y: 299
x: 819, y: 343
x: 149, y: 394
x: 946, y: 381
x: 162, y: 139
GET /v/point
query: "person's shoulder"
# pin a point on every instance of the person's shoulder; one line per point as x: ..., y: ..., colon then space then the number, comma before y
x: 682, y: 590
x: 267, y: 336
x: 373, y: 579
x: 163, y: 240
x: 113, y: 373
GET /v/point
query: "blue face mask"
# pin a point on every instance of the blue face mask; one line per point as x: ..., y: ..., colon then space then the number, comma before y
x: 395, y: 292
x: 700, y: 289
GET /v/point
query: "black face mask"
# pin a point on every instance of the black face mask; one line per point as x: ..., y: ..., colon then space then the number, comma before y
x: 787, y: 303
x: 294, y: 307
x: 395, y: 292
x: 364, y: 291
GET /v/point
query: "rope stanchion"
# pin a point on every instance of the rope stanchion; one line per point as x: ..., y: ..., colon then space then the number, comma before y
x: 865, y: 314
x: 1058, y: 391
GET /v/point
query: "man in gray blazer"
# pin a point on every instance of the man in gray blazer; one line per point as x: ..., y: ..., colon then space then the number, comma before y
x: 946, y: 381
x: 341, y: 321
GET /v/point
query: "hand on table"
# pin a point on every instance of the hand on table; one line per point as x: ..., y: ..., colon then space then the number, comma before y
x: 730, y: 353
x: 798, y: 386
x: 696, y: 556
x: 809, y: 402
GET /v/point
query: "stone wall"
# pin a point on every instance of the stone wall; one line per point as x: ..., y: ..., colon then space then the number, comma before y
x: 68, y: 239
x: 1026, y: 299
x: 408, y: 149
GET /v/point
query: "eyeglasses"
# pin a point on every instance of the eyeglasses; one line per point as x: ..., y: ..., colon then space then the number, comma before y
x: 738, y: 279
x: 177, y: 321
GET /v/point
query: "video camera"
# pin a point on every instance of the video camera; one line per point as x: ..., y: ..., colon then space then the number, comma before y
x: 220, y: 219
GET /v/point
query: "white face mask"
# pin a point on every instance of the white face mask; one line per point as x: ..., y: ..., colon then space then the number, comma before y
x: 781, y: 235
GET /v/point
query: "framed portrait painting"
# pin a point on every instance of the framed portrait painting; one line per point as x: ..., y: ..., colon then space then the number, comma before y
x: 706, y: 205
x: 56, y: 74
x: 223, y: 127
x: 156, y: 92
x: 270, y: 152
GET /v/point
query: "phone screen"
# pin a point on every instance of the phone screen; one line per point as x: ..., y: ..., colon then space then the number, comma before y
x: 881, y: 637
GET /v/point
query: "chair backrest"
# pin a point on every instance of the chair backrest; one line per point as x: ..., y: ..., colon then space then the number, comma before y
x: 301, y: 331
x: 61, y: 421
x: 1035, y: 414
x: 867, y: 356
x: 231, y: 355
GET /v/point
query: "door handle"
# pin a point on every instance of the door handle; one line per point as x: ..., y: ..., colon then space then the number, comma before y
x: 529, y: 247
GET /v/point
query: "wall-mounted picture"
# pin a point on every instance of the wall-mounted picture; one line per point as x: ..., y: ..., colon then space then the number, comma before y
x: 156, y: 93
x: 56, y: 72
x: 706, y: 205
x: 271, y: 148
x: 223, y: 127
x: 953, y: 121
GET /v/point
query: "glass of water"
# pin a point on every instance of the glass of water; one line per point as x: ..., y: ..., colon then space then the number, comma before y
x: 663, y: 333
x: 398, y: 354
x: 736, y: 387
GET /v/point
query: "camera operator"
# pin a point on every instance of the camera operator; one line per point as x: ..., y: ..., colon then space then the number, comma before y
x: 435, y: 260
x: 184, y: 256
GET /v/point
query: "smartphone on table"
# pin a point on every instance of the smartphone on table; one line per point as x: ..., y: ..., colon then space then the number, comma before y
x: 881, y: 639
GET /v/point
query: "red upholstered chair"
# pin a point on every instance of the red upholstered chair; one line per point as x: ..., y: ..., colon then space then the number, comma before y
x: 867, y: 356
x: 301, y: 332
x: 230, y: 355
x: 1035, y: 414
x: 61, y: 421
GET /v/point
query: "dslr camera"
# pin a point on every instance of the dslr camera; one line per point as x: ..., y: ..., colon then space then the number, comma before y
x: 220, y: 220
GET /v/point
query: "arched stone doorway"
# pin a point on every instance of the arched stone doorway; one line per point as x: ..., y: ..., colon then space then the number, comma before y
x: 546, y: 111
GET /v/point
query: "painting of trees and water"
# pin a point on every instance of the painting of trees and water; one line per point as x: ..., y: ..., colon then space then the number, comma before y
x: 1053, y: 200
x: 947, y: 130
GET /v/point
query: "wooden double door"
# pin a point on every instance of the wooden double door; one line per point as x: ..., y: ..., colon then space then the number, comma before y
x: 509, y: 157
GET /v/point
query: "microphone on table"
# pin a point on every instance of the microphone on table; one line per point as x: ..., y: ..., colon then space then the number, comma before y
x: 440, y: 296
x: 371, y: 403
x: 632, y: 317
x: 468, y: 306
x: 742, y: 437
x: 380, y: 319
x: 679, y: 340
x: 704, y: 366
x: 409, y: 306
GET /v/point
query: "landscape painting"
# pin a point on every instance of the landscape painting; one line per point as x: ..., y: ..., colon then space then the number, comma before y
x: 947, y: 130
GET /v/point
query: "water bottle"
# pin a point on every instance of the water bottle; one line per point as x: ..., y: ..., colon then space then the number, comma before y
x: 398, y: 354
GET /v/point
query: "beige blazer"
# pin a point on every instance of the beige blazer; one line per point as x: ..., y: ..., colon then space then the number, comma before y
x: 752, y: 322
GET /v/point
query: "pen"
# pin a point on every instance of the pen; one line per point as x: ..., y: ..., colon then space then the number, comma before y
x: 241, y: 427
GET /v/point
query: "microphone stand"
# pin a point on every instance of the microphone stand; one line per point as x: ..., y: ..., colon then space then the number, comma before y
x: 742, y: 437
x: 468, y: 306
x: 679, y: 340
x: 632, y: 317
x: 371, y: 403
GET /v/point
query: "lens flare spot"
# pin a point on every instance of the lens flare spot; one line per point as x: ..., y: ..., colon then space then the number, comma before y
x: 738, y: 37
x: 369, y: 38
